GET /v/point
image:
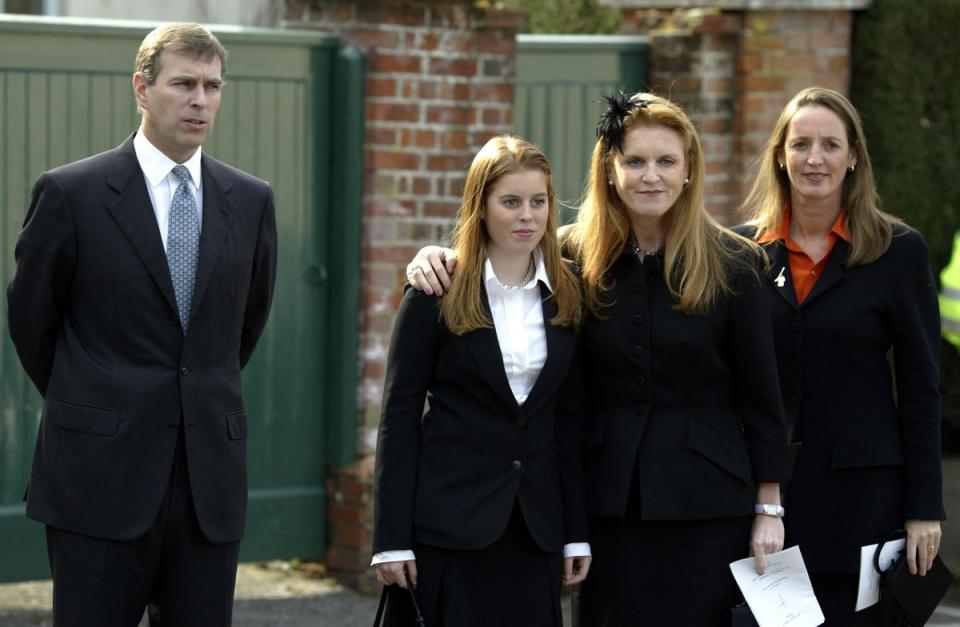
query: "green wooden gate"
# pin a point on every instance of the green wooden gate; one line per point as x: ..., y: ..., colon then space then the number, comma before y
x: 560, y: 79
x: 65, y: 92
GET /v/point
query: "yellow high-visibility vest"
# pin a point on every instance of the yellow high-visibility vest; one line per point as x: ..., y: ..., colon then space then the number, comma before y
x: 950, y: 296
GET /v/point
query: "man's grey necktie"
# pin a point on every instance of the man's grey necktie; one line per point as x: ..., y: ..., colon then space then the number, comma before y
x: 183, y: 241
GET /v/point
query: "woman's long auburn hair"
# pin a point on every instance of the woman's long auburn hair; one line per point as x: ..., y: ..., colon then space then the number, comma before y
x: 462, y: 308
x: 698, y: 252
x: 870, y: 228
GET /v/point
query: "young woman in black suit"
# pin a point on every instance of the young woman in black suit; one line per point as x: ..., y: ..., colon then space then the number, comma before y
x: 473, y: 505
x: 849, y: 287
x: 684, y: 433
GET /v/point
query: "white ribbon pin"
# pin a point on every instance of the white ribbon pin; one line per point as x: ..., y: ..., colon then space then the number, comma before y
x: 780, y: 280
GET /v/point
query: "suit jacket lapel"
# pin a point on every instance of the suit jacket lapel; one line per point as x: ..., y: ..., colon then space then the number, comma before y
x: 558, y: 353
x: 779, y: 275
x: 215, y: 226
x: 833, y: 273
x: 485, y: 347
x: 133, y: 213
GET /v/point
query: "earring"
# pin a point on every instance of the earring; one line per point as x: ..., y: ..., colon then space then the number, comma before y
x: 782, y: 166
x: 609, y: 181
x: 686, y: 181
x: 852, y: 167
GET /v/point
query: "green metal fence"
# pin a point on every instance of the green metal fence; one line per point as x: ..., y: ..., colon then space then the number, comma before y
x: 65, y: 93
x: 560, y: 79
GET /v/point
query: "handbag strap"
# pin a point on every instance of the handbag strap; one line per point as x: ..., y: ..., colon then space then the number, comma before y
x: 383, y: 602
x: 413, y: 598
x: 416, y: 606
x: 896, y: 534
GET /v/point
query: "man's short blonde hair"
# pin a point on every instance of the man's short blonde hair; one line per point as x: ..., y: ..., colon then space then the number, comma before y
x: 184, y: 38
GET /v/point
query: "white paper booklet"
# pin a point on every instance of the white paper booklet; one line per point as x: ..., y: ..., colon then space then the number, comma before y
x: 868, y: 592
x: 783, y: 595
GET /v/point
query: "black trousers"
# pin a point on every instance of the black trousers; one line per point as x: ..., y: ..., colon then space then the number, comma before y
x: 511, y: 583
x: 183, y: 579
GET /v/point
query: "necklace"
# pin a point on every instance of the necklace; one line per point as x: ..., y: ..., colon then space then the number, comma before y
x: 526, y: 278
x: 641, y: 253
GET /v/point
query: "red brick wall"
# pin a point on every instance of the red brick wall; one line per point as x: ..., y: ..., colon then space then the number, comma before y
x: 781, y: 52
x: 439, y: 83
x: 734, y: 71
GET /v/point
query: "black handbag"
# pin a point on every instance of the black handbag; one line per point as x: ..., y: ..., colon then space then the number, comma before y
x: 909, y: 600
x: 741, y: 616
x: 415, y: 607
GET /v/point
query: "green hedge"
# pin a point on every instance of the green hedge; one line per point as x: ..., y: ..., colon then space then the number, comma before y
x: 906, y: 85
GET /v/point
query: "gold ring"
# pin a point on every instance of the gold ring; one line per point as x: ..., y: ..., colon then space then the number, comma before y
x: 931, y: 547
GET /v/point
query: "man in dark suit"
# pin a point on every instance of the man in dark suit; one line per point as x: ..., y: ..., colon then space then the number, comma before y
x: 144, y: 278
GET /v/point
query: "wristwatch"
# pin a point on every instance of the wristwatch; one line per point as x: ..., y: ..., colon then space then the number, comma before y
x: 768, y: 509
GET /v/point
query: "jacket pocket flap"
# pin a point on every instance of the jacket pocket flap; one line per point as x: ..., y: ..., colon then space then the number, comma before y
x: 867, y: 449
x: 84, y: 418
x: 719, y: 450
x: 237, y: 425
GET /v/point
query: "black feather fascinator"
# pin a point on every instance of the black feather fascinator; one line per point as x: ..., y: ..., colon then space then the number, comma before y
x: 610, y: 126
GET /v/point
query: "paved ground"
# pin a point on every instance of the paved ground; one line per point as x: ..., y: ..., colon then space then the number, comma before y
x: 273, y: 594
x: 280, y: 594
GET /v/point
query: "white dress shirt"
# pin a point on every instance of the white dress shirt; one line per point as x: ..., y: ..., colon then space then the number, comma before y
x: 518, y: 321
x: 162, y: 183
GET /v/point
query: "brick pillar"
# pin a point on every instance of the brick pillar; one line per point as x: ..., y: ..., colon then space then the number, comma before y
x: 439, y: 83
x: 692, y: 62
x: 735, y: 69
x: 781, y: 52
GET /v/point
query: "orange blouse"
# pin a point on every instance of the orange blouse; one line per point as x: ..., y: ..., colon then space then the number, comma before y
x: 803, y: 270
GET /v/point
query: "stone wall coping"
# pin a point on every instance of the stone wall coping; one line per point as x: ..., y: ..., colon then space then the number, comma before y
x: 99, y: 27
x: 591, y: 42
x: 743, y: 5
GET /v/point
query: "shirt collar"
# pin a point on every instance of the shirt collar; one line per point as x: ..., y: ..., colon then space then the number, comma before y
x: 782, y: 232
x: 156, y: 165
x: 539, y: 276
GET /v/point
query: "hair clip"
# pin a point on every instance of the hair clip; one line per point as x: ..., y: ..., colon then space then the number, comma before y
x: 610, y: 126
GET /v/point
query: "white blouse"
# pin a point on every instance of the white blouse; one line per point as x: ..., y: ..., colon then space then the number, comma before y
x: 518, y: 320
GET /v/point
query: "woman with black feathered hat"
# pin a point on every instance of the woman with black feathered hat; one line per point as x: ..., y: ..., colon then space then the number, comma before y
x: 683, y: 432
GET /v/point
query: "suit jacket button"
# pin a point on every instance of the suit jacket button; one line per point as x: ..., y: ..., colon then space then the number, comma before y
x: 517, y: 464
x: 640, y: 380
x: 637, y: 319
x: 638, y: 351
x: 641, y: 409
x: 184, y: 371
x: 521, y: 422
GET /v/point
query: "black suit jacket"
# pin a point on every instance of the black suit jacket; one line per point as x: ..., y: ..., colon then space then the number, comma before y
x: 859, y: 373
x: 94, y: 320
x: 450, y: 478
x: 685, y: 409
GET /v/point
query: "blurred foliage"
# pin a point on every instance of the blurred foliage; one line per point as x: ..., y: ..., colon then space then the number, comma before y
x: 563, y: 16
x: 906, y: 85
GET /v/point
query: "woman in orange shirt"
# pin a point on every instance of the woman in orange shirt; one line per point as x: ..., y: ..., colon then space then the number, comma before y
x: 849, y: 285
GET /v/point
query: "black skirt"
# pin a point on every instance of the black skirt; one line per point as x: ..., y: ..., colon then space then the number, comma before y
x: 511, y: 582
x: 662, y: 573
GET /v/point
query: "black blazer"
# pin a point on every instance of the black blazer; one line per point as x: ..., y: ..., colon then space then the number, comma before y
x: 451, y: 477
x: 684, y: 407
x: 859, y: 373
x: 94, y: 320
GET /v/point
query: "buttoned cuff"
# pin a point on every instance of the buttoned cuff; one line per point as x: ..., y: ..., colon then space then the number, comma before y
x: 773, y: 464
x: 392, y: 556
x: 577, y: 549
